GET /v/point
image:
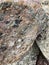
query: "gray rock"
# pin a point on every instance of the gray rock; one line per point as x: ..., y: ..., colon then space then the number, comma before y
x: 43, y: 41
x: 20, y: 39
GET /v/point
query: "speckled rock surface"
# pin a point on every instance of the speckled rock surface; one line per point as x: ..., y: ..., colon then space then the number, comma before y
x: 45, y: 5
x: 18, y: 30
x: 20, y: 25
x: 30, y: 58
x: 43, y: 41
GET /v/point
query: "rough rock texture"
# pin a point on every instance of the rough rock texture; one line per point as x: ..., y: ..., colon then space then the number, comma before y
x: 43, y: 41
x: 45, y: 5
x: 21, y: 24
x: 18, y: 30
x: 30, y: 58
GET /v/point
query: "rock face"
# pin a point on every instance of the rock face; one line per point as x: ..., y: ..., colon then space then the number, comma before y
x: 21, y: 26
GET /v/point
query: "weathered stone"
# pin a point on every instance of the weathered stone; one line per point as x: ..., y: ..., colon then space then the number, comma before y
x: 43, y: 41
x: 45, y: 5
x: 20, y: 40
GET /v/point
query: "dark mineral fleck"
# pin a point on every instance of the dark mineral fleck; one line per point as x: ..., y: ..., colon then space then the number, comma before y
x: 1, y: 33
x: 7, y: 22
x: 17, y: 21
x: 45, y: 2
x: 1, y: 17
x: 6, y: 5
x: 39, y: 37
x: 15, y: 25
x: 3, y: 48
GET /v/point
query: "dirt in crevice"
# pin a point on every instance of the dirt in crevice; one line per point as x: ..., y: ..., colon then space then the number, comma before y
x: 41, y: 60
